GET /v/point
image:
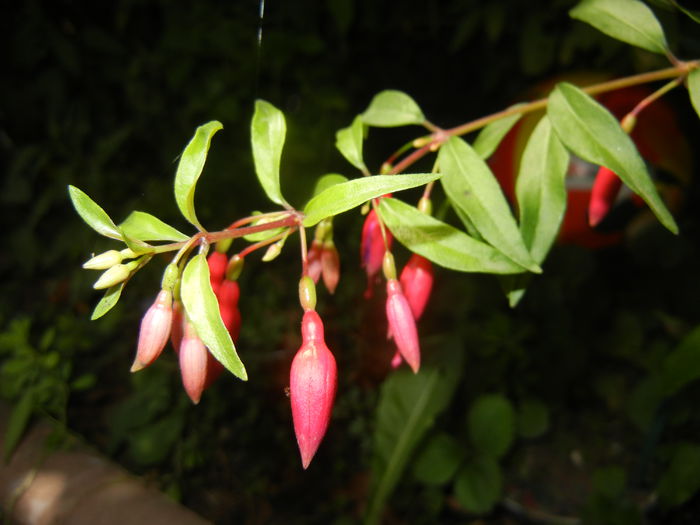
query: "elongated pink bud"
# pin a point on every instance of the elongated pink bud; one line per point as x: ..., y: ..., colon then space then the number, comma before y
x: 154, y: 331
x: 402, y: 324
x: 193, y: 363
x: 330, y: 266
x: 417, y: 283
x: 314, y: 260
x: 177, y: 327
x: 217, y: 262
x: 312, y: 384
x: 372, y: 245
x: 603, y: 194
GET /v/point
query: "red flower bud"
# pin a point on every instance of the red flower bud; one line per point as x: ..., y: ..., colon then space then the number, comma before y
x: 217, y: 262
x: 402, y: 324
x: 312, y: 385
x: 154, y: 331
x: 193, y: 363
x: 177, y: 326
x: 372, y: 245
x: 417, y: 282
x: 330, y: 266
x: 228, y: 295
x: 603, y: 194
x: 314, y: 268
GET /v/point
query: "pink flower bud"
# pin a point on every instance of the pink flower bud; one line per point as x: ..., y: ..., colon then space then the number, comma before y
x: 217, y: 262
x: 228, y: 295
x: 396, y: 360
x: 154, y: 331
x: 372, y: 245
x: 177, y: 326
x: 417, y: 282
x: 330, y: 266
x: 193, y: 363
x: 312, y: 385
x: 603, y: 194
x: 313, y: 259
x: 402, y: 324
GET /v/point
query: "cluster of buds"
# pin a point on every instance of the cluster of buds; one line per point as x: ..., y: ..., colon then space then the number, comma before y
x: 116, y: 271
x: 313, y: 378
x: 323, y: 259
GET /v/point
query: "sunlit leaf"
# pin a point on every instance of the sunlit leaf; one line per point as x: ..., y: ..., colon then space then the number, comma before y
x: 108, y: 301
x: 347, y: 195
x: 326, y: 181
x: 594, y: 134
x: 349, y: 143
x: 267, y: 131
x: 470, y: 186
x: 630, y: 21
x: 265, y: 234
x: 490, y: 137
x: 135, y: 245
x: 190, y: 168
x: 492, y: 424
x: 440, y: 242
x: 540, y: 189
x: 92, y: 214
x: 146, y: 227
x: 408, y: 406
x: 392, y: 108
x: 478, y: 484
x: 694, y: 89
x: 203, y: 311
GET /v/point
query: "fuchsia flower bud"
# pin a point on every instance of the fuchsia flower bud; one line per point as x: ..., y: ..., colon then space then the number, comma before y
x: 154, y: 331
x: 177, y: 326
x: 312, y: 384
x: 603, y: 194
x: 217, y: 262
x: 314, y: 267
x: 417, y: 283
x: 402, y: 324
x: 330, y: 266
x: 193, y: 363
x: 229, y: 293
x: 372, y: 245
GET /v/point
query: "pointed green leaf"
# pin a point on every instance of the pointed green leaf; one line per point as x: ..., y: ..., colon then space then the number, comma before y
x: 92, y: 214
x: 408, y: 405
x: 349, y: 143
x: 108, y: 301
x: 470, y: 186
x: 146, y: 227
x: 267, y: 133
x: 135, y: 245
x: 492, y: 424
x: 203, y: 311
x: 630, y: 21
x: 326, y: 181
x: 265, y: 234
x: 347, y: 195
x: 540, y: 189
x: 17, y: 423
x: 478, y: 484
x: 490, y: 137
x: 694, y: 89
x: 440, y: 242
x: 190, y: 168
x: 594, y: 134
x: 392, y: 108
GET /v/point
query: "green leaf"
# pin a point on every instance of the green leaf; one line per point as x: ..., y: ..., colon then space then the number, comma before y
x: 146, y: 227
x: 326, y: 181
x: 349, y: 143
x: 203, y: 311
x: 135, y: 245
x: 190, y: 168
x: 694, y: 89
x: 108, y: 301
x: 440, y: 242
x: 682, y: 366
x: 392, y: 108
x: 267, y: 132
x: 491, y: 424
x: 17, y: 422
x: 681, y: 481
x: 470, y: 186
x: 540, y: 189
x: 490, y: 137
x: 92, y: 214
x: 478, y: 485
x: 408, y: 405
x: 438, y: 461
x: 594, y: 134
x: 265, y: 234
x: 347, y: 195
x: 630, y: 21
x: 532, y: 418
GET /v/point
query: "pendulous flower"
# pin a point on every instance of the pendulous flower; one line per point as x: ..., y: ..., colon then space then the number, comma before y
x: 193, y: 356
x: 417, y: 282
x: 154, y: 331
x: 402, y: 325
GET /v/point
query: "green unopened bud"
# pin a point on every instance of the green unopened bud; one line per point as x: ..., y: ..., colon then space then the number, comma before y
x: 425, y: 205
x: 628, y: 122
x: 170, y: 277
x: 389, y: 266
x: 115, y: 275
x: 223, y: 245
x: 234, y: 268
x: 386, y: 169
x: 307, y: 293
x: 103, y: 261
x: 128, y: 253
x: 273, y: 250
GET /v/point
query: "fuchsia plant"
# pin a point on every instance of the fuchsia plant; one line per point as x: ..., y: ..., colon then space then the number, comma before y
x: 197, y: 307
